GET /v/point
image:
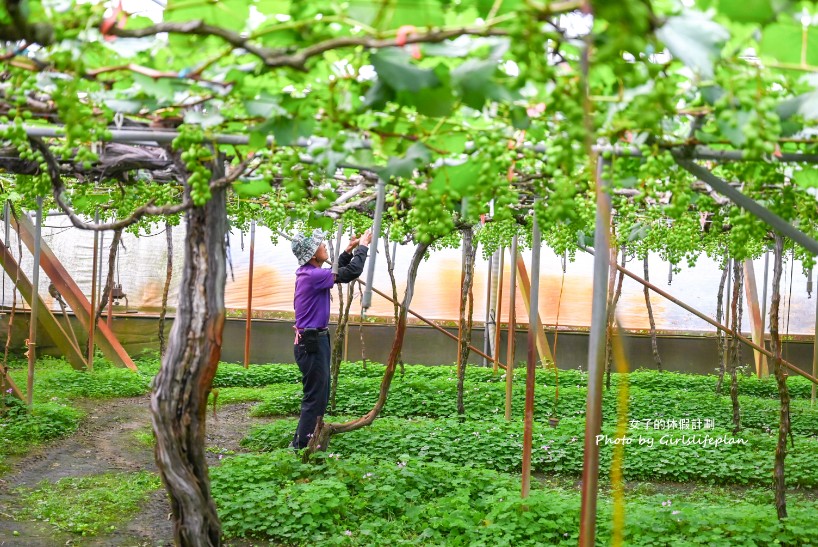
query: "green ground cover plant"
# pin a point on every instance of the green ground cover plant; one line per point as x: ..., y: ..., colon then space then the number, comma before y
x: 360, y: 501
x: 21, y: 429
x: 88, y: 505
x: 663, y: 455
x: 413, y: 397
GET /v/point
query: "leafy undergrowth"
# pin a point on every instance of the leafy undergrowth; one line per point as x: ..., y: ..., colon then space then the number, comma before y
x: 359, y: 501
x: 415, y: 397
x: 20, y: 429
x: 88, y: 505
x: 55, y: 378
x: 658, y: 455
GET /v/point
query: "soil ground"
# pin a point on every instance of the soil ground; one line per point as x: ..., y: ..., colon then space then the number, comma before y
x: 107, y: 442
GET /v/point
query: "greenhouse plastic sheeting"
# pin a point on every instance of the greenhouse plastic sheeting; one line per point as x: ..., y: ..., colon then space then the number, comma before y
x: 564, y: 300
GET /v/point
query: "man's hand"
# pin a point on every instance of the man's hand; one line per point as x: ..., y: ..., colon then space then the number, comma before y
x: 366, y: 238
x: 353, y: 242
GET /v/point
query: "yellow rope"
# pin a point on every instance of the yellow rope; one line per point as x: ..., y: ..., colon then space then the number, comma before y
x: 617, y: 483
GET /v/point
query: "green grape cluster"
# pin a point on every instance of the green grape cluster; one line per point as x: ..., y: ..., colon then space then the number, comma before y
x: 82, y: 126
x: 275, y: 215
x: 430, y: 216
x: 297, y: 179
x: 495, y: 235
x: 195, y: 154
x: 562, y: 235
x: 649, y: 110
x: 747, y: 106
x: 69, y: 24
x: 358, y: 223
x: 566, y: 97
x: 529, y: 38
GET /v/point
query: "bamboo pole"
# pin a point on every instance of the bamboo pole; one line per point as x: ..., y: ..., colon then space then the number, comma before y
x: 543, y: 349
x: 751, y: 295
x: 512, y: 329
x: 498, y: 311
x: 249, y: 322
x: 531, y: 361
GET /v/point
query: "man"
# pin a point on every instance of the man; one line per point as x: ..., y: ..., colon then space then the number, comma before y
x: 312, y: 299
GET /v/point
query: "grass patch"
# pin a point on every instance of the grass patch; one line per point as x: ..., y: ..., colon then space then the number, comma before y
x: 88, y: 505
x: 234, y: 395
x: 358, y: 501
x: 497, y: 445
x: 145, y: 436
x: 21, y: 429
x: 436, y: 397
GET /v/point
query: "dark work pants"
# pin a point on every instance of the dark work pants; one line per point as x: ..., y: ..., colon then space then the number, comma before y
x: 315, y: 379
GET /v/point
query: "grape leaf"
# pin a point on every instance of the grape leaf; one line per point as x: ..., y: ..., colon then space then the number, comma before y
x: 694, y: 39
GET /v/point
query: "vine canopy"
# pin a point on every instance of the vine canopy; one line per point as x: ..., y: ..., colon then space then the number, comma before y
x: 465, y: 108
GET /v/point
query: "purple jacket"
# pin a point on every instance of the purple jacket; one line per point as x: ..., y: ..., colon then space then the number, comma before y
x: 313, y: 284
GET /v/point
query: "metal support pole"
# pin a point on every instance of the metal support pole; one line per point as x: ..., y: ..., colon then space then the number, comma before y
x: 700, y: 152
x: 100, y: 262
x: 487, y: 331
x: 596, y: 359
x: 91, y: 321
x: 531, y: 361
x: 110, y: 304
x: 764, y: 298
x: 499, y: 308
x: 728, y: 307
x: 774, y: 221
x: 35, y: 296
x: 815, y: 346
x: 337, y: 254
x: 366, y: 300
x: 512, y: 328
x: 249, y: 322
x: 463, y: 253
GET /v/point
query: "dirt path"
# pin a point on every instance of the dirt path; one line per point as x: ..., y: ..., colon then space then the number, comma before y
x: 107, y: 441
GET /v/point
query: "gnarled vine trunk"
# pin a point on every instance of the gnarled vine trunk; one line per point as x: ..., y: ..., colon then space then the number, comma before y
x: 735, y: 327
x: 614, y: 292
x: 466, y: 313
x: 338, y: 341
x: 390, y: 269
x: 181, y: 387
x: 324, y: 431
x: 166, y: 289
x: 654, y: 344
x: 779, y: 480
x: 720, y: 338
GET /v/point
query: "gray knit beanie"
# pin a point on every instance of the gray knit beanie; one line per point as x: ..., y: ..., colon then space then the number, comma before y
x: 304, y: 246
